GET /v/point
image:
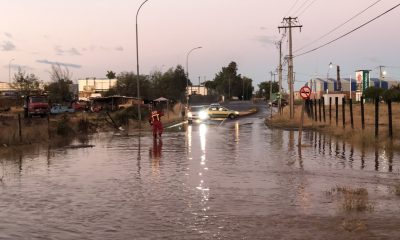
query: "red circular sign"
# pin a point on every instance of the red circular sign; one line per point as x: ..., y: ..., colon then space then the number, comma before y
x: 305, y: 92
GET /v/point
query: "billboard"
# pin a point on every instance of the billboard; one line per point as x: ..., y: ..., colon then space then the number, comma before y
x: 362, y: 80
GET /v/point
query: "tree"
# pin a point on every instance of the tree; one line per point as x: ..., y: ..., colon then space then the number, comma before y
x: 170, y: 84
x: 248, y: 88
x: 229, y: 83
x: 58, y: 73
x: 111, y: 75
x: 264, y: 89
x: 59, y: 88
x: 373, y: 92
x: 26, y: 84
x: 127, y: 86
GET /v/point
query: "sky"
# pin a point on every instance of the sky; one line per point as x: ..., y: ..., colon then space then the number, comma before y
x: 91, y: 37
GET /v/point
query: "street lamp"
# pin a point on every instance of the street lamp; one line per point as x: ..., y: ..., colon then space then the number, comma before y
x: 382, y: 75
x: 187, y: 74
x: 137, y: 65
x: 339, y: 84
x: 9, y: 70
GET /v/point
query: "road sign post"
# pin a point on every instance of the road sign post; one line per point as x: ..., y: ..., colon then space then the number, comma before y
x: 305, y: 93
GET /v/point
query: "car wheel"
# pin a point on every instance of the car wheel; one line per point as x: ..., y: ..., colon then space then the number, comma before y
x: 231, y: 116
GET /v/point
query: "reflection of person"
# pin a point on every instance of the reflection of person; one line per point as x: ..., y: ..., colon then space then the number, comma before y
x: 156, y: 151
x: 155, y: 155
x: 155, y: 122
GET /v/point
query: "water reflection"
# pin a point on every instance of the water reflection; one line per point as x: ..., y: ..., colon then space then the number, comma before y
x: 343, y: 154
x: 155, y: 156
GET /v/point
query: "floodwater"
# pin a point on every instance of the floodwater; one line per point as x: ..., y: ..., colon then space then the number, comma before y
x: 232, y: 180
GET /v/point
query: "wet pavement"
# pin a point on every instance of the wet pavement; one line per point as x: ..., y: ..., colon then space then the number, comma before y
x: 235, y: 179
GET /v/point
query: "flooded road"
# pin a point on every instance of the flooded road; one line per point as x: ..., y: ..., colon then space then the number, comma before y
x: 232, y: 180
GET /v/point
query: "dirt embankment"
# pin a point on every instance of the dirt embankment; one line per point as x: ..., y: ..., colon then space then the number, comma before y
x: 356, y: 134
x: 63, y: 128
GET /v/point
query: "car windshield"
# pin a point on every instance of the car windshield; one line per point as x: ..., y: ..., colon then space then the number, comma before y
x: 196, y: 108
x: 38, y: 99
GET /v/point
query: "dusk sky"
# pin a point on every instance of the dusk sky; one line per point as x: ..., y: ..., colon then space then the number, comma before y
x: 93, y: 36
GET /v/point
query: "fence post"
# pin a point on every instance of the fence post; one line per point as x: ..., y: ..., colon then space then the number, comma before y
x: 337, y: 110
x: 376, y: 116
x: 323, y: 108
x: 390, y: 118
x: 362, y: 113
x: 19, y: 128
x: 330, y: 110
x: 311, y: 109
x: 344, y: 112
x: 319, y: 110
x: 315, y: 110
x: 351, y: 113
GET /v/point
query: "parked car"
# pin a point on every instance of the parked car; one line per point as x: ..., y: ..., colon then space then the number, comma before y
x: 221, y: 112
x: 274, y: 103
x: 197, y: 113
x: 58, y: 108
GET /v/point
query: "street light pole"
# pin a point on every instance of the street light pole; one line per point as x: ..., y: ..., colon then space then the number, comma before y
x: 9, y: 70
x: 137, y: 66
x: 187, y: 74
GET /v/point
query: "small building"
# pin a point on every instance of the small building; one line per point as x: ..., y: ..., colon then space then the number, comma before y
x: 88, y: 86
x: 197, y: 90
x: 332, y: 98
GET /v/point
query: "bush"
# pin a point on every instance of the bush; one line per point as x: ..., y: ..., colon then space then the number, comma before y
x: 122, y: 117
x: 392, y: 94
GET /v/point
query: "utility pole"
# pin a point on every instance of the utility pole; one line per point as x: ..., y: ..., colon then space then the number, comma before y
x: 270, y: 93
x: 289, y: 23
x: 338, y: 78
x: 280, y: 76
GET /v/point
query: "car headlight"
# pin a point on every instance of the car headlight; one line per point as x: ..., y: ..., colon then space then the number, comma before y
x: 236, y: 113
x: 203, y: 115
x: 189, y: 114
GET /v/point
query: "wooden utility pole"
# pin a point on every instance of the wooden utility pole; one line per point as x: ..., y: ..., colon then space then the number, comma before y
x: 280, y: 76
x: 289, y: 23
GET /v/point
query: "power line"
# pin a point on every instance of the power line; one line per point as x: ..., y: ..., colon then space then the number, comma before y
x: 355, y: 29
x: 301, y: 6
x: 305, y: 9
x: 336, y: 28
x: 292, y: 7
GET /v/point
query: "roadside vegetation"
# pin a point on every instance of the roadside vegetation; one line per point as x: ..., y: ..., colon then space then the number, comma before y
x: 357, y: 136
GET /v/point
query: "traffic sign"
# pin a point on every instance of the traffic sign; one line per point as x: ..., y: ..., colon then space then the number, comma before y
x: 305, y: 92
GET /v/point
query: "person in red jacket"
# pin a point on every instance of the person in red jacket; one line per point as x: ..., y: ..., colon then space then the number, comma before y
x: 155, y: 122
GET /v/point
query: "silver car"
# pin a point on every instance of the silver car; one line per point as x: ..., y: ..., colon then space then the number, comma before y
x: 197, y: 113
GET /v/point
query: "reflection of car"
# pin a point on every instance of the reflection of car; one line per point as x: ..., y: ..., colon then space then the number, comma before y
x: 284, y: 102
x: 58, y: 108
x: 197, y: 113
x: 221, y: 112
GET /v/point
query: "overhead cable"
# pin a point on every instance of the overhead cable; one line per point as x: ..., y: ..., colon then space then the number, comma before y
x: 336, y: 28
x: 355, y: 29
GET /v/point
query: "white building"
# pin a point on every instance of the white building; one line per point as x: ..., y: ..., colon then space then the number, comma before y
x: 197, y: 90
x: 89, y: 86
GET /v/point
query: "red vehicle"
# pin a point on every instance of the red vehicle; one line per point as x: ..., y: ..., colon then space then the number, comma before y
x: 78, y: 106
x: 36, y: 105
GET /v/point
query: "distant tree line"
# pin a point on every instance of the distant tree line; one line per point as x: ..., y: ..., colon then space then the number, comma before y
x: 170, y: 84
x: 393, y: 93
